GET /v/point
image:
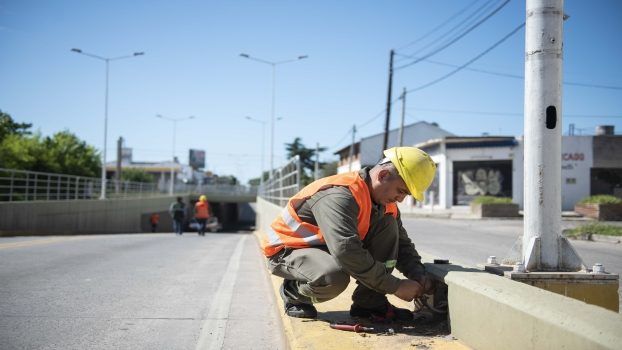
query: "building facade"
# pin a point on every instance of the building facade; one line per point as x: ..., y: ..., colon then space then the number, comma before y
x: 493, y: 166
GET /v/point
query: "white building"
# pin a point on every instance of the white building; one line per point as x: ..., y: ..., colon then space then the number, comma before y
x: 368, y: 151
x: 493, y: 166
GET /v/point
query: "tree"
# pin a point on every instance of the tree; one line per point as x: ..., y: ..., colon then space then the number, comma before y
x: 136, y: 175
x: 66, y: 154
x: 23, y: 153
x: 307, y: 158
x: 330, y: 168
x: 63, y: 153
x: 9, y: 127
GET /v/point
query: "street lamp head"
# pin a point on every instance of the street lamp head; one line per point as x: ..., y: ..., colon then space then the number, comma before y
x: 76, y: 50
x: 303, y: 57
x: 191, y: 117
x: 138, y: 53
x: 245, y: 55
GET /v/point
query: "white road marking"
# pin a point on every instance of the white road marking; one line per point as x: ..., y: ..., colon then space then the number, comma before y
x: 213, y: 331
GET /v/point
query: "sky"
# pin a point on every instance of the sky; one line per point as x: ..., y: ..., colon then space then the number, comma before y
x: 192, y: 67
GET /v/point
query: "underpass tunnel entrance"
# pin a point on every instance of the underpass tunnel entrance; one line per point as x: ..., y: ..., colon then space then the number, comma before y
x: 232, y: 216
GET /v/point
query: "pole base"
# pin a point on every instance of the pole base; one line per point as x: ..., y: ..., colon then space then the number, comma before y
x: 569, y: 260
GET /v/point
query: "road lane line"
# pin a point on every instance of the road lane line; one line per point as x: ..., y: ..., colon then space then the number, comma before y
x: 35, y: 242
x: 213, y: 331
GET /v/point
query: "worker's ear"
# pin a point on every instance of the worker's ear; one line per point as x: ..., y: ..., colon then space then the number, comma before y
x: 384, y: 175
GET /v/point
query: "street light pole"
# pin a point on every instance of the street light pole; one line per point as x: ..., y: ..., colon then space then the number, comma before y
x: 171, y: 190
x: 107, y: 60
x: 273, y: 107
x: 263, y: 147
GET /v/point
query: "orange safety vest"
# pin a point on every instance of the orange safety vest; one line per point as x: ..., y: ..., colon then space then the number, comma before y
x: 288, y: 230
x: 201, y: 210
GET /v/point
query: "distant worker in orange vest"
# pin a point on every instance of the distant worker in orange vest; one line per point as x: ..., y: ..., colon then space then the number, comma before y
x: 201, y: 213
x: 348, y: 225
x: 154, y: 219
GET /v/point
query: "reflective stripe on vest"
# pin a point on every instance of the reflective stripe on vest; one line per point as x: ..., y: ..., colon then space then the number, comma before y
x: 288, y: 230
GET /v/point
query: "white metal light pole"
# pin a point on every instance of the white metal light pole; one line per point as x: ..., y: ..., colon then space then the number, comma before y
x: 272, y: 120
x: 263, y: 147
x: 107, y: 60
x: 171, y: 190
x: 544, y: 249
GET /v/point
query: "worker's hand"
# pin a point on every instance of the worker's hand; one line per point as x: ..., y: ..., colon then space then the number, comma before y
x: 428, y: 284
x: 409, y: 290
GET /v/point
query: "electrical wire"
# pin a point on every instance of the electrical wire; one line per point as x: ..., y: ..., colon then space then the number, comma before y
x: 434, y: 52
x: 456, y: 30
x: 451, y: 18
x: 468, y: 62
x: 516, y: 76
x: 454, y: 111
x: 341, y: 140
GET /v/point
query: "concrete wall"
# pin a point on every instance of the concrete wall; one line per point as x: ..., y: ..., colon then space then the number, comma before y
x: 577, y: 160
x: 607, y: 151
x: 80, y: 216
x: 266, y: 213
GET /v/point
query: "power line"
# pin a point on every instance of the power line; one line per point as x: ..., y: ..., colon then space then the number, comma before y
x: 341, y: 140
x: 457, y: 29
x: 492, y: 113
x: 468, y: 62
x: 434, y: 52
x: 452, y: 17
x: 516, y: 76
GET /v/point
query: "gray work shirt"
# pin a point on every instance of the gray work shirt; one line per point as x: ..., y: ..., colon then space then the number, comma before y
x: 334, y: 211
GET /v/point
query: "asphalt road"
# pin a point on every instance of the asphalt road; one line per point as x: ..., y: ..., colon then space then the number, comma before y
x: 147, y: 291
x: 470, y: 242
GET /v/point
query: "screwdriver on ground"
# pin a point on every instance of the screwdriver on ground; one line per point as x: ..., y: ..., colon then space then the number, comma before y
x: 351, y: 327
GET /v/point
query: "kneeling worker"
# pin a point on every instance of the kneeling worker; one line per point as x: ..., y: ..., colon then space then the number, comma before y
x: 348, y: 225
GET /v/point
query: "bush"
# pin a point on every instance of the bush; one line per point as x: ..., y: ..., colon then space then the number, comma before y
x: 595, y: 229
x: 491, y: 200
x: 601, y: 199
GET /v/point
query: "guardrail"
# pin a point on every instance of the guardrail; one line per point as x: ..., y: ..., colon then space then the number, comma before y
x: 23, y: 185
x: 283, y: 183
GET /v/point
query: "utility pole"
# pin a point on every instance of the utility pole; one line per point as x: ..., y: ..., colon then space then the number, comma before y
x: 388, y: 115
x: 400, y: 139
x: 544, y: 249
x: 351, y: 155
x: 119, y: 156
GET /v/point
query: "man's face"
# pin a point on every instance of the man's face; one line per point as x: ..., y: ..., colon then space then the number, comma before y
x: 390, y: 188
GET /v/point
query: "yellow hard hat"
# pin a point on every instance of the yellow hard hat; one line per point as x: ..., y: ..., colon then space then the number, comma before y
x: 202, y: 198
x: 415, y: 167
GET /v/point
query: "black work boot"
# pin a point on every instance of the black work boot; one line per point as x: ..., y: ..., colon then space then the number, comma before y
x: 384, y: 313
x: 294, y: 308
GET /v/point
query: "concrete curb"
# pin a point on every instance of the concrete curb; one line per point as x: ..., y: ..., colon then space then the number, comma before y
x: 493, y: 312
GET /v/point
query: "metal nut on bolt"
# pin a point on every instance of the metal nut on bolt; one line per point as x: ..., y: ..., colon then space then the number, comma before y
x: 598, y: 268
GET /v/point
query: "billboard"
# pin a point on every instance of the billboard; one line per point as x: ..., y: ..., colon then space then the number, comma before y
x: 197, y: 159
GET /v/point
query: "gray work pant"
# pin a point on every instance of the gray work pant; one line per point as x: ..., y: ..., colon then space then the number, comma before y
x: 312, y: 275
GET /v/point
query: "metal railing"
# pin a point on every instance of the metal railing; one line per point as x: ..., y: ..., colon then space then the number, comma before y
x: 23, y: 185
x: 283, y: 183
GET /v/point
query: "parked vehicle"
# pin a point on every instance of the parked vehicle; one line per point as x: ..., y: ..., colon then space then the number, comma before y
x: 213, y: 225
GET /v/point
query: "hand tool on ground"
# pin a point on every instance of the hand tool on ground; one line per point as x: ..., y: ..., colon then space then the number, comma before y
x: 351, y: 327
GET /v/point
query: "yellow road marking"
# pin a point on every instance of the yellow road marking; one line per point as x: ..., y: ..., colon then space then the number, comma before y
x: 35, y: 242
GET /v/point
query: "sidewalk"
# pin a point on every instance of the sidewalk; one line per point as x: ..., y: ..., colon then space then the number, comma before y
x: 317, y: 334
